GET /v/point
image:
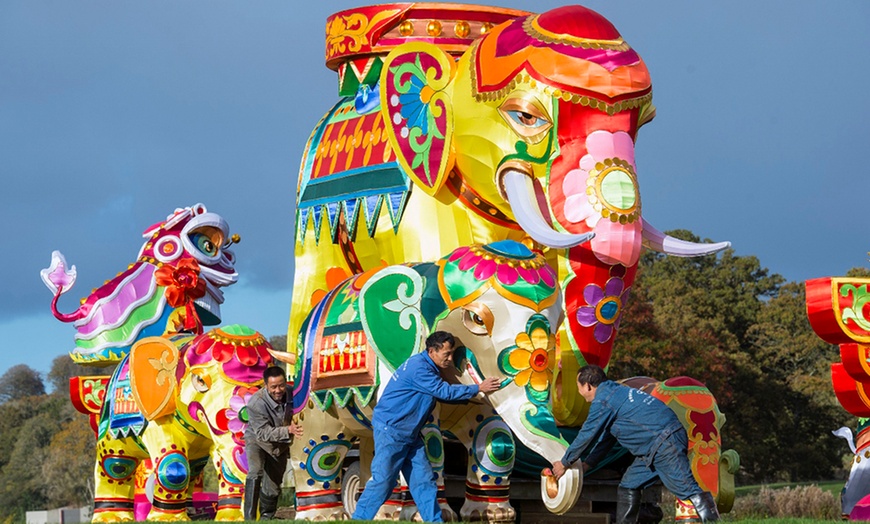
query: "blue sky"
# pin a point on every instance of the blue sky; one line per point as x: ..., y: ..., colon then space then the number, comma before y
x: 112, y: 114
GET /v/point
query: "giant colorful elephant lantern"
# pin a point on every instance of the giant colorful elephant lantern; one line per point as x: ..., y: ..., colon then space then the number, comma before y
x: 839, y: 312
x: 178, y: 401
x: 503, y: 303
x: 463, y: 125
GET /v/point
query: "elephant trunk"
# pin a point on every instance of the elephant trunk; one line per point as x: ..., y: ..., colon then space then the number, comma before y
x: 534, y: 425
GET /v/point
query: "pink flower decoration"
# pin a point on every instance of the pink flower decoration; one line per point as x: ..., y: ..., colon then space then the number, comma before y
x: 468, y: 260
x: 457, y: 253
x: 237, y: 414
x: 485, y: 269
x: 507, y: 271
x: 507, y: 275
x: 529, y: 275
x: 614, y: 242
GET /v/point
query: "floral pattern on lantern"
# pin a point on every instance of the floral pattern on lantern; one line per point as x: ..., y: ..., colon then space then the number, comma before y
x: 237, y: 414
x: 603, y: 309
x: 602, y: 193
x: 532, y: 360
x: 519, y: 274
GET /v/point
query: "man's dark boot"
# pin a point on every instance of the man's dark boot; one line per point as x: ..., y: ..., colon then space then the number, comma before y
x: 705, y: 506
x: 268, y: 507
x: 627, y: 505
x: 252, y: 498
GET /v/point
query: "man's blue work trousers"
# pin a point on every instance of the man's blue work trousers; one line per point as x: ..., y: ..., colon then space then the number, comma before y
x: 670, y: 463
x: 392, y: 456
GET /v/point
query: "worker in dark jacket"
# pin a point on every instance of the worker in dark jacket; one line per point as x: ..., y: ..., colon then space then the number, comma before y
x: 402, y: 409
x: 649, y: 430
x: 267, y: 444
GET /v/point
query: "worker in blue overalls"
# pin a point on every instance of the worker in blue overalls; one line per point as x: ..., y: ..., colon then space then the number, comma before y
x: 402, y: 409
x: 649, y: 430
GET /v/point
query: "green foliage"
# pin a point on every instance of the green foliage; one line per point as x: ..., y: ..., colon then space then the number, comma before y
x: 19, y: 382
x: 22, y: 484
x: 63, y: 368
x: 46, y: 450
x: 743, y: 331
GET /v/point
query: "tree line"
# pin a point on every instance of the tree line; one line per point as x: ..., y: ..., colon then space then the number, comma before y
x: 722, y: 319
x: 743, y: 331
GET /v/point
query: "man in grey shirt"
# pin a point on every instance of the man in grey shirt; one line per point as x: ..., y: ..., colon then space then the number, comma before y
x: 267, y: 444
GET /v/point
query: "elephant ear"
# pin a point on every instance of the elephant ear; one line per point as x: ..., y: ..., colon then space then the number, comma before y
x: 153, y: 361
x: 417, y: 111
x: 391, y: 309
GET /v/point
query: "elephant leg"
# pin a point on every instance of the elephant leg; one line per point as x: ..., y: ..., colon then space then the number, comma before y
x: 169, y: 450
x: 114, y: 480
x: 317, y: 458
x: 172, y: 477
x: 231, y: 489
x: 491, y: 454
x: 197, y: 466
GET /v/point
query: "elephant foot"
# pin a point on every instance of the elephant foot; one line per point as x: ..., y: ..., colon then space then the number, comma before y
x: 113, y: 516
x: 157, y: 515
x: 319, y: 505
x: 447, y: 513
x: 684, y: 512
x: 230, y: 515
x: 390, y: 512
x: 480, y: 511
x: 335, y: 513
x: 410, y: 513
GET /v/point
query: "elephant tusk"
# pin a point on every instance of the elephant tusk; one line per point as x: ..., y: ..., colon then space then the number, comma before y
x: 658, y: 241
x: 283, y: 356
x: 520, y: 194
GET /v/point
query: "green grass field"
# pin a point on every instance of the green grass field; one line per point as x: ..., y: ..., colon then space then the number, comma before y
x: 833, y: 486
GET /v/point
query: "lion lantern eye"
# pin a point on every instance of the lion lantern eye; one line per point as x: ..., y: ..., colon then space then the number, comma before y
x: 206, y: 246
x: 201, y: 382
x: 477, y: 318
x: 207, y: 240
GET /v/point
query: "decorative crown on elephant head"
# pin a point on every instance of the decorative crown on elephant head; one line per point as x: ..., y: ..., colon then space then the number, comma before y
x: 174, y: 285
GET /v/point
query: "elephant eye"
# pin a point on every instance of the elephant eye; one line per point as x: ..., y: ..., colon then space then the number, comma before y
x: 525, y: 118
x: 201, y: 382
x: 477, y: 318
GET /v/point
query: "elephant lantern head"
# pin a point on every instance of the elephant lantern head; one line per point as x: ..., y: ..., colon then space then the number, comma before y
x: 534, y: 129
x: 536, y: 124
x: 505, y: 307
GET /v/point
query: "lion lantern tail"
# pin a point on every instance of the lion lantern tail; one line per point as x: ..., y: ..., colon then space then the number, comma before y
x: 58, y: 279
